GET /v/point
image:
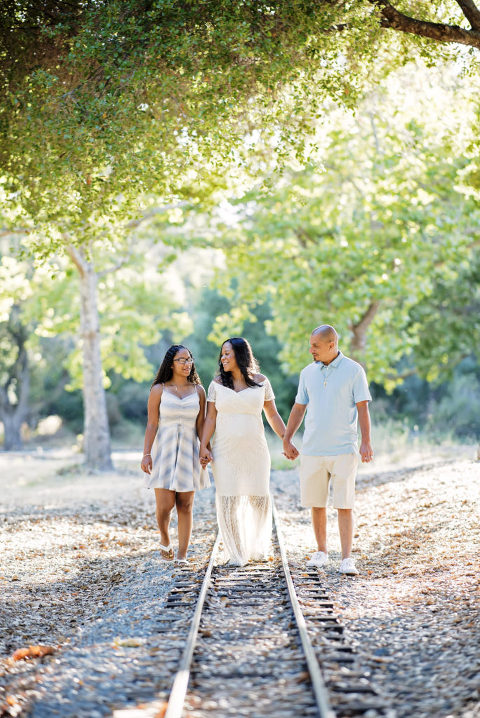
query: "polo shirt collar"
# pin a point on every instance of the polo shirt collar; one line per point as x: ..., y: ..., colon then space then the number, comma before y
x: 334, y: 364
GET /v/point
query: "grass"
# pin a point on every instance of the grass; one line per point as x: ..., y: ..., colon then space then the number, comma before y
x: 393, y: 442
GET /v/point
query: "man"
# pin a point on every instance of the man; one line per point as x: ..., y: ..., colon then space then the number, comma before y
x: 334, y: 392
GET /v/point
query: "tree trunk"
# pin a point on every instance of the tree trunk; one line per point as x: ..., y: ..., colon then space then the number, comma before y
x: 12, y: 425
x: 96, y: 429
x: 14, y: 413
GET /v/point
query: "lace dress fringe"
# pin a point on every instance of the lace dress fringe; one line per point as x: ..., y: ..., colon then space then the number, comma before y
x: 245, y: 524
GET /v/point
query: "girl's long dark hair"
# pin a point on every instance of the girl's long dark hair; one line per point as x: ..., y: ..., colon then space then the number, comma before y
x: 247, y: 363
x: 165, y: 372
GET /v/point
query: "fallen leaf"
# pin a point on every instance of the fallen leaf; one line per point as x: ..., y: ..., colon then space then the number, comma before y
x: 32, y: 652
x: 161, y: 711
x: 129, y: 642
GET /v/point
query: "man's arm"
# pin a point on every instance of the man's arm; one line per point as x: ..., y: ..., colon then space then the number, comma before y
x: 294, y: 421
x: 366, y: 451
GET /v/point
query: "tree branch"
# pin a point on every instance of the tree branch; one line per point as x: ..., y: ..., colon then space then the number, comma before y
x: 392, y: 19
x: 4, y: 232
x: 359, y: 330
x: 117, y: 266
x: 23, y: 381
x: 154, y: 211
x: 367, y: 318
x: 76, y: 258
x: 471, y: 12
x: 404, y: 375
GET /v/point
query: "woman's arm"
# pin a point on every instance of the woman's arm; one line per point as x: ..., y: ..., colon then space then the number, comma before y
x: 201, y: 413
x: 274, y: 418
x: 208, y: 429
x: 154, y: 400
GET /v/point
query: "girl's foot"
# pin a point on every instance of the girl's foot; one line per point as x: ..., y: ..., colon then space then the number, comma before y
x: 181, y: 559
x: 166, y: 551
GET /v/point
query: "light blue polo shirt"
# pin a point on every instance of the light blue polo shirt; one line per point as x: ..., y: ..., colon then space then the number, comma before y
x: 332, y: 392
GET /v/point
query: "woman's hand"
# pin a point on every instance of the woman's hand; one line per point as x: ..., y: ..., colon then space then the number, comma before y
x: 205, y: 456
x: 146, y: 464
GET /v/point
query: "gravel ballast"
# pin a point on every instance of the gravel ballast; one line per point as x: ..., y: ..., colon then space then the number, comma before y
x: 81, y: 574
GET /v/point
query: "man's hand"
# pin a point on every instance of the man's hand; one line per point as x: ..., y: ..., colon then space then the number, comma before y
x: 294, y: 420
x: 289, y: 450
x: 366, y: 451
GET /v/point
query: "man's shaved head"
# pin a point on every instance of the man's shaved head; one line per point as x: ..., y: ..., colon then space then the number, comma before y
x: 326, y: 333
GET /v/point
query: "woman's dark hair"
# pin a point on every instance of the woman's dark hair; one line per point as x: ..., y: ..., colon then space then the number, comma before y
x: 247, y: 363
x: 165, y: 372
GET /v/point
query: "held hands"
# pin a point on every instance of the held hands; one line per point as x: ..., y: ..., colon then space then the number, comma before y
x: 289, y: 450
x: 366, y: 451
x: 146, y: 464
x: 205, y: 457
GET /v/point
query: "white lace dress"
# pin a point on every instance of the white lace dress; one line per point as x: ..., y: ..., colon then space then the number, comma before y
x: 241, y: 469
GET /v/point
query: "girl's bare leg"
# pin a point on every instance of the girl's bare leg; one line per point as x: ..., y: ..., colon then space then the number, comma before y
x: 165, y: 501
x: 184, y: 502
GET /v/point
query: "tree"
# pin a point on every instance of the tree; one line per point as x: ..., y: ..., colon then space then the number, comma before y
x: 96, y: 429
x: 449, y: 322
x: 365, y: 237
x: 135, y: 308
x: 26, y: 299
x: 119, y: 305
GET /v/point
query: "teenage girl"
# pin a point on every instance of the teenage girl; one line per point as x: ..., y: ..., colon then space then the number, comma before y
x: 176, y: 413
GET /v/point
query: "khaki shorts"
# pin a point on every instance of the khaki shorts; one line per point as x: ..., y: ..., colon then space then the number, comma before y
x: 315, y: 474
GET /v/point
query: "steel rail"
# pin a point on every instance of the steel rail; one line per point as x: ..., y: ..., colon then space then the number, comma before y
x: 318, y: 685
x: 180, y: 683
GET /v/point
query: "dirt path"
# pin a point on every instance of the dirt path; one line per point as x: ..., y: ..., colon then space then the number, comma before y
x: 80, y: 573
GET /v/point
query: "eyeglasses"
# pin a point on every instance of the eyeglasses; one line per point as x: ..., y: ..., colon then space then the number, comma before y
x: 184, y: 361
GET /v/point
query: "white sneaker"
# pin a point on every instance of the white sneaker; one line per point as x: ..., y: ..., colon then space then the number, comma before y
x: 348, y: 567
x: 319, y: 559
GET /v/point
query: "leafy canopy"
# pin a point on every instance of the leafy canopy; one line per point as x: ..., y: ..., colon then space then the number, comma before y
x: 114, y: 105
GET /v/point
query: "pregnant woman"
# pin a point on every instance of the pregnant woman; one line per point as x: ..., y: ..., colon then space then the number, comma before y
x: 177, y: 404
x: 240, y: 456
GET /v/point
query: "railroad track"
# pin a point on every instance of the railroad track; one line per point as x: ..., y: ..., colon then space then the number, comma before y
x: 263, y: 639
